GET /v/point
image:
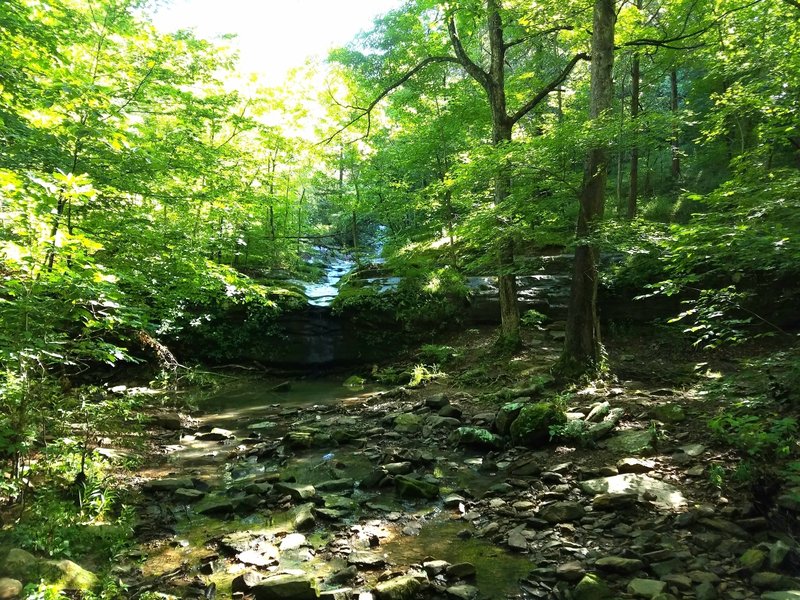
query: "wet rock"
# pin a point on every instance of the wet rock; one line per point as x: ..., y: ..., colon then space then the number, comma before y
x: 304, y: 520
x: 257, y: 559
x: 679, y: 581
x: 398, y: 588
x: 476, y: 437
x: 338, y: 594
x: 217, y: 434
x: 666, y: 567
x: 366, y: 559
x: 10, y: 589
x: 621, y: 501
x: 189, y: 495
x: 525, y: 466
x: 645, y: 588
x: 562, y: 512
x: 398, y: 468
x: 214, y: 506
x: 298, y: 491
x: 462, y: 570
x: 532, y: 426
x: 660, y: 493
x: 463, y: 592
x: 293, y: 541
x: 632, y: 442
x: 246, y: 581
x: 412, y: 488
x: 342, y: 575
x: 619, y: 565
x: 706, y: 591
x: 168, y: 484
x: 592, y: 587
x: 434, y: 567
x: 784, y: 595
x: 286, y: 587
x: 635, y: 465
x: 408, y: 423
x: 335, y: 485
x: 453, y: 501
x: 572, y: 571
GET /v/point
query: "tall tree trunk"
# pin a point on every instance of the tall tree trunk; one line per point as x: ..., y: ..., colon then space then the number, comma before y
x: 582, y: 346
x: 633, y: 189
x: 675, y: 142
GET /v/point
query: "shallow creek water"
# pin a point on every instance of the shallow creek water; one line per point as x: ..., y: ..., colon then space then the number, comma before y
x: 408, y: 531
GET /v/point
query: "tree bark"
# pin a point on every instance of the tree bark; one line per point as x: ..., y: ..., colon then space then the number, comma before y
x: 582, y: 347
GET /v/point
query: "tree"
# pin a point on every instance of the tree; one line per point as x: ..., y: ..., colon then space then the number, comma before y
x: 491, y: 74
x: 582, y: 346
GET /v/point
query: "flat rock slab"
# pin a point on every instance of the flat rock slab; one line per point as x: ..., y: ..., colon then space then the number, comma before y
x: 645, y: 487
x: 298, y: 492
x: 785, y: 595
x: 631, y: 442
x: 362, y: 558
x: 285, y: 586
x: 646, y: 588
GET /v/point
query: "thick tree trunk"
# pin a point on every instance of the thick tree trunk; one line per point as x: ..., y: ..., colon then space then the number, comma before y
x: 582, y: 347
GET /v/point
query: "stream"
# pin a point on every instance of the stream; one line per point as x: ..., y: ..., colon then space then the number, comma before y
x: 217, y: 505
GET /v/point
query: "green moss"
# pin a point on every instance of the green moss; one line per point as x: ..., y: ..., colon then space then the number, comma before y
x: 532, y: 426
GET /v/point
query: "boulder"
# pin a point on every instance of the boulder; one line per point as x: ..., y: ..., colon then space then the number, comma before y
x: 19, y: 564
x: 304, y: 518
x: 246, y: 581
x: 532, y: 426
x: 10, y: 589
x: 668, y: 413
x: 591, y: 587
x: 398, y: 588
x: 298, y: 491
x: 619, y: 564
x: 463, y: 570
x: 215, y: 435
x: 67, y: 575
x: 561, y: 512
x: 506, y: 416
x: 646, y: 588
x: 462, y: 592
x: 286, y: 587
x: 645, y: 487
x: 408, y: 423
x: 411, y: 488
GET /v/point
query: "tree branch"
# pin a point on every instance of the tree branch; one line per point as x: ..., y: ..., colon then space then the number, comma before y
x: 367, y: 110
x: 535, y: 100
x: 557, y: 28
x: 474, y: 71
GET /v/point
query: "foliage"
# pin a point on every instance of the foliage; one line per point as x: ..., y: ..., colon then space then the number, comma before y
x: 423, y: 374
x: 436, y: 354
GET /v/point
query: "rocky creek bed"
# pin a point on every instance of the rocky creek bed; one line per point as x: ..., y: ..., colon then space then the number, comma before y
x: 316, y: 490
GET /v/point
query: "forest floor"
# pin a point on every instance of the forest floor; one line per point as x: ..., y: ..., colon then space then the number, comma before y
x: 384, y: 493
x: 375, y: 494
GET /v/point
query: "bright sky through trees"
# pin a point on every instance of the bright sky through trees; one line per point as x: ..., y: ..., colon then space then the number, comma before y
x: 274, y: 36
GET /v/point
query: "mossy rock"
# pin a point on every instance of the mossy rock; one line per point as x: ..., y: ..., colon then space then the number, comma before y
x: 668, y: 413
x: 476, y: 437
x: 506, y: 416
x: 67, y: 575
x: 19, y: 564
x: 532, y: 426
x: 354, y: 381
x: 591, y: 587
x: 412, y: 489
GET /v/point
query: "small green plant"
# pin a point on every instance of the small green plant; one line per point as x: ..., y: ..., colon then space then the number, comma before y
x: 758, y: 436
x: 532, y: 318
x: 436, y: 354
x: 422, y: 374
x: 716, y: 475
